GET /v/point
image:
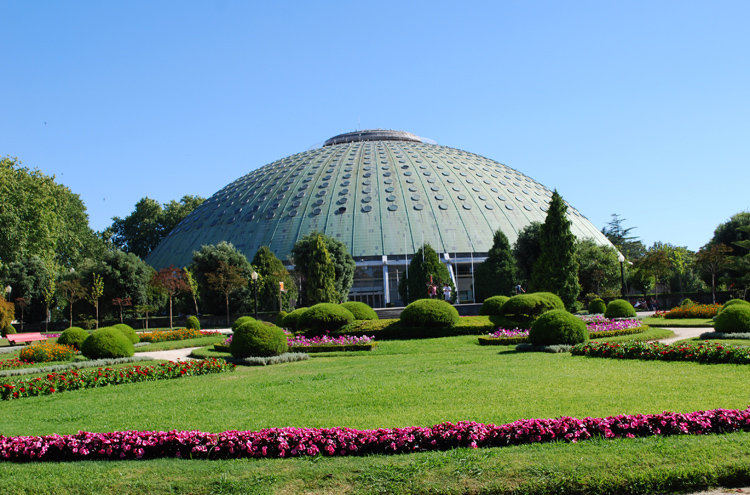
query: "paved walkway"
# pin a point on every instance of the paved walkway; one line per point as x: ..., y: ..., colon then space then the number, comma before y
x: 177, y: 354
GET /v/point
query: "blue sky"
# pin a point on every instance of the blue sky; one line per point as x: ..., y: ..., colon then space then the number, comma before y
x: 638, y: 108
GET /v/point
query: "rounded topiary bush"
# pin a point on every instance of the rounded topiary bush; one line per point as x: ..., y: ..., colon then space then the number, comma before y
x: 9, y: 329
x: 290, y: 321
x: 258, y: 339
x: 491, y: 306
x: 733, y: 319
x: 525, y: 307
x: 619, y: 308
x: 687, y: 302
x: 193, y: 323
x: 429, y: 313
x: 733, y: 302
x: 128, y: 331
x: 324, y: 317
x: 360, y: 310
x: 241, y: 321
x: 107, y: 342
x: 73, y: 336
x: 280, y: 318
x: 597, y: 306
x: 553, y: 300
x: 557, y: 326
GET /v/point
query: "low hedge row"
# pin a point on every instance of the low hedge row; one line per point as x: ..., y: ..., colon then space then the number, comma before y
x: 339, y: 441
x: 707, y: 352
x: 332, y: 347
x: 485, y: 340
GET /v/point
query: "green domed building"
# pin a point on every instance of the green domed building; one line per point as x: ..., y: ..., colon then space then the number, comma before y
x: 382, y: 193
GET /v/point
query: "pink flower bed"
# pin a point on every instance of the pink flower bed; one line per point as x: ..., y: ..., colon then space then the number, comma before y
x: 326, y: 339
x: 504, y: 333
x: 296, y: 442
x: 601, y: 324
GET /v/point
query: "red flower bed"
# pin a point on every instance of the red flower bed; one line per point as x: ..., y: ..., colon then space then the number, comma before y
x: 12, y: 363
x: 296, y: 442
x: 707, y: 352
x: 102, y: 377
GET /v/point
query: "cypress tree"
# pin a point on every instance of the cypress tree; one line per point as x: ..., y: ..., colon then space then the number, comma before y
x: 421, y: 267
x: 319, y: 273
x: 556, y: 270
x: 496, y: 275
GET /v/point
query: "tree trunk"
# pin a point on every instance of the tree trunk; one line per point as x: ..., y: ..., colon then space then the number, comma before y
x: 713, y: 288
x: 71, y: 315
x: 96, y: 307
x: 170, y: 312
x: 227, y: 298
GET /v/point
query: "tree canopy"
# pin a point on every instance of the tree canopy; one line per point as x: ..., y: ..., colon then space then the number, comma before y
x: 526, y: 250
x: 343, y: 263
x: 207, y: 260
x: 496, y: 275
x: 423, y: 267
x: 272, y: 272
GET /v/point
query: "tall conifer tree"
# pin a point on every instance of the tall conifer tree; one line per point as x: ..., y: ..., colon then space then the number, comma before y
x: 496, y: 275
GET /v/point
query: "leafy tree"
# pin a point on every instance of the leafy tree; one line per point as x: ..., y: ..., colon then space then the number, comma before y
x: 121, y: 303
x: 28, y: 278
x: 72, y: 291
x: 156, y: 298
x: 318, y: 271
x: 526, y: 250
x: 193, y: 284
x: 599, y: 270
x: 496, y: 275
x: 272, y: 272
x: 556, y: 270
x: 39, y: 217
x: 630, y: 246
x: 207, y: 261
x: 656, y: 264
x: 342, y: 260
x: 141, y: 231
x: 94, y: 293
x: 172, y: 281
x: 712, y: 259
x: 424, y: 267
x: 740, y: 264
x: 227, y: 280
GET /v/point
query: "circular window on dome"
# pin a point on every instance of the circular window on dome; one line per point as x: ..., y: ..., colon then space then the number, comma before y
x: 275, y: 205
x: 260, y: 200
x: 301, y: 195
x: 443, y: 206
x: 404, y: 167
x: 412, y: 189
x: 462, y: 197
x: 543, y: 208
x: 270, y: 215
x: 322, y: 193
x: 427, y: 173
x: 296, y: 204
x: 367, y: 174
x: 418, y: 207
x: 327, y: 177
x: 367, y: 190
x: 325, y: 184
x: 475, y: 189
x: 534, y: 200
x: 280, y: 197
x: 238, y: 210
x: 434, y: 188
x: 344, y: 191
x: 408, y: 181
x: 489, y: 206
x: 450, y: 181
x: 527, y: 207
x: 519, y: 199
x: 392, y: 207
x: 439, y: 197
x: 320, y: 202
x: 343, y: 200
x: 501, y: 197
x: 407, y: 173
x: 256, y: 207
x: 415, y: 197
x: 348, y: 169
x: 248, y: 218
x: 389, y: 189
x: 466, y: 206
x: 388, y: 174
x: 366, y: 182
x: 316, y: 211
x: 511, y: 191
x: 367, y: 208
x: 367, y: 168
x: 293, y: 213
x: 483, y: 198
x: 509, y: 207
x: 524, y: 191
x: 345, y: 183
x: 342, y: 210
x: 367, y: 199
x: 469, y: 181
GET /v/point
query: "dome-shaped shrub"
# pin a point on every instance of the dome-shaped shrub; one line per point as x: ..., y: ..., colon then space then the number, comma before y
x: 558, y: 327
x: 491, y: 306
x: 128, y: 331
x: 733, y: 302
x: 553, y: 300
x: 733, y: 319
x: 9, y: 329
x: 292, y: 319
x: 360, y: 310
x: 73, y: 336
x: 107, y: 342
x: 429, y: 313
x: 193, y: 323
x: 619, y: 308
x: 241, y: 321
x: 525, y: 307
x: 687, y: 302
x: 258, y: 339
x: 597, y: 306
x: 324, y: 317
x: 280, y: 318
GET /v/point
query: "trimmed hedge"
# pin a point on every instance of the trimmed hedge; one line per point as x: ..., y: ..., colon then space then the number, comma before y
x: 733, y: 302
x: 193, y: 323
x: 290, y: 321
x: 558, y: 327
x: 526, y: 307
x: 597, y: 306
x: 73, y: 336
x: 429, y: 313
x: 620, y: 308
x: 280, y: 318
x: 107, y: 342
x: 127, y: 331
x: 258, y: 339
x: 241, y: 321
x: 360, y: 310
x: 324, y: 317
x: 8, y: 330
x: 733, y: 319
x: 492, y: 305
x: 553, y: 299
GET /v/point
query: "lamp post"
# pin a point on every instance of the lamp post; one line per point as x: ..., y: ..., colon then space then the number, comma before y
x: 621, y: 259
x: 8, y: 288
x: 254, y: 276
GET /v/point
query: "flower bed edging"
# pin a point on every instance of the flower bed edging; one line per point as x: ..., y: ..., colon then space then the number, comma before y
x: 297, y: 442
x: 706, y: 352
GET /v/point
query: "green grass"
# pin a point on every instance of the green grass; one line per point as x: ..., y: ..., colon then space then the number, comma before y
x: 678, y: 322
x: 737, y: 342
x: 401, y: 383
x: 650, y: 334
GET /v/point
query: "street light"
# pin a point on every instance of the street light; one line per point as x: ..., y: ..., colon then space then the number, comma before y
x: 621, y: 259
x: 8, y: 288
x: 254, y: 276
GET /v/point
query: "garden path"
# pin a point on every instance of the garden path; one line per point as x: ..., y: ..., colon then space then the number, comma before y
x: 178, y: 354
x: 684, y: 333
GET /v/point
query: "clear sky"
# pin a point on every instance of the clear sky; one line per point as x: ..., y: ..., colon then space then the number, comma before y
x: 640, y: 108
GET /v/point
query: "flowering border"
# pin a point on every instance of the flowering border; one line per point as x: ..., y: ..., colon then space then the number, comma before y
x: 707, y: 352
x: 297, y: 442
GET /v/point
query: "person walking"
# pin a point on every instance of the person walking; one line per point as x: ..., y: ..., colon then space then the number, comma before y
x: 447, y: 292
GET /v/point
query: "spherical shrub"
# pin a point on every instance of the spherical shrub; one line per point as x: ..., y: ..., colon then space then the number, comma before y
x: 733, y: 302
x: 619, y: 308
x: 525, y: 307
x: 9, y: 329
x: 558, y: 327
x: 258, y: 339
x: 597, y: 306
x: 360, y: 310
x: 128, y: 331
x: 280, y: 318
x: 733, y: 319
x: 553, y: 300
x: 687, y: 302
x: 290, y: 321
x: 107, y: 342
x: 491, y: 306
x: 241, y: 321
x: 73, y: 336
x: 324, y: 316
x: 429, y: 313
x: 193, y: 323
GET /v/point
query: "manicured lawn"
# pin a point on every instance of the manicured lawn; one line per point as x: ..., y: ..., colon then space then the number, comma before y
x: 400, y: 383
x: 650, y: 334
x: 678, y: 322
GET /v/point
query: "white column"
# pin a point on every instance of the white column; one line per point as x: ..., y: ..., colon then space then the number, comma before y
x: 387, y: 296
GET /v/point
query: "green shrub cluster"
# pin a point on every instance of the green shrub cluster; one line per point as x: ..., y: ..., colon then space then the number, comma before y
x: 619, y: 308
x: 492, y: 305
x: 360, y: 310
x: 558, y: 327
x: 107, y: 342
x: 429, y: 313
x: 193, y: 323
x: 733, y: 319
x: 529, y: 307
x: 8, y: 330
x: 290, y: 321
x: 597, y: 306
x: 687, y: 302
x: 257, y: 339
x: 324, y: 317
x: 128, y: 332
x: 241, y: 321
x: 73, y: 336
x: 733, y: 302
x: 280, y: 318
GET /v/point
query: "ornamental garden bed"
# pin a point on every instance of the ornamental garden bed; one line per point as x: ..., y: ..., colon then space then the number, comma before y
x: 706, y: 352
x: 598, y: 327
